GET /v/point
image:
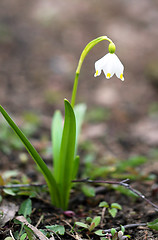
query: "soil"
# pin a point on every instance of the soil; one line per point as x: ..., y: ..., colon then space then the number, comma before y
x: 40, y: 44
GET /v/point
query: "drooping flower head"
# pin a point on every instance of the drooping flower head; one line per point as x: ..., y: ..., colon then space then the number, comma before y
x: 110, y: 64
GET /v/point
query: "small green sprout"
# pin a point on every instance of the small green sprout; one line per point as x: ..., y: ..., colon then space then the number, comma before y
x: 58, y: 229
x: 93, y: 223
x: 112, y: 209
x: 113, y: 235
x: 153, y: 225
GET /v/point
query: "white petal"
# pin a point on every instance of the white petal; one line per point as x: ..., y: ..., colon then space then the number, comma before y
x: 110, y: 64
x: 97, y: 72
x: 102, y: 61
x: 119, y: 68
x: 108, y: 68
x: 99, y: 65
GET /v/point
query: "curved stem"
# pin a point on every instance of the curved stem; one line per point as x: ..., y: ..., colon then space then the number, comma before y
x: 74, y: 91
x: 86, y: 50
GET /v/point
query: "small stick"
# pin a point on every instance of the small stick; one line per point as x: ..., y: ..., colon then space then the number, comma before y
x: 122, y: 183
x: 87, y: 180
x: 126, y: 226
x: 39, y: 221
x: 102, y: 216
x: 22, y: 185
x: 72, y: 228
x: 12, y: 235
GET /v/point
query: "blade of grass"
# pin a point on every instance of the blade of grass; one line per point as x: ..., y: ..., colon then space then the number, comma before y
x: 56, y: 132
x: 67, y: 153
x: 36, y: 157
x: 79, y: 111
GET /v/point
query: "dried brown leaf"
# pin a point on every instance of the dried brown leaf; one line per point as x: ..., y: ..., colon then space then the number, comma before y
x: 7, y: 212
x: 38, y: 233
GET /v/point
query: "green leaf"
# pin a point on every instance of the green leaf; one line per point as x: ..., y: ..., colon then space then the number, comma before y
x: 125, y: 191
x: 103, y: 204
x: 9, y: 174
x: 23, y: 236
x: 67, y: 152
x: 113, y: 231
x: 113, y: 212
x: 89, y: 191
x: 80, y: 224
x: 36, y: 157
x: 91, y: 227
x: 9, y: 192
x: 97, y: 220
x: 56, y: 132
x: 132, y: 162
x: 99, y: 233
x: 26, y: 208
x: 128, y: 236
x: 95, y: 223
x: 79, y: 111
x: 122, y: 228
x: 153, y: 225
x: 116, y: 205
x: 59, y: 229
x: 102, y: 171
x: 89, y: 219
x: 30, y: 233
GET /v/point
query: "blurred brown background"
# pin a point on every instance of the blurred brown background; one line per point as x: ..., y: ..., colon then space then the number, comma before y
x: 40, y: 44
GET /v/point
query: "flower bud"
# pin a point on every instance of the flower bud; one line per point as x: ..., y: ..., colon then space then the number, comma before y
x: 112, y: 47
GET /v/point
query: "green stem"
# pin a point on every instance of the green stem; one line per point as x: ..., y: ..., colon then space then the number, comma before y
x: 86, y: 50
x: 74, y: 90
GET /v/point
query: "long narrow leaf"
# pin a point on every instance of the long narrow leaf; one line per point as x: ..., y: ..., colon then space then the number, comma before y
x: 56, y: 132
x: 36, y: 157
x: 79, y: 111
x: 67, y: 153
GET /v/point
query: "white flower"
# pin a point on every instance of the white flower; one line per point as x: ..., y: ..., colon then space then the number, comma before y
x: 110, y: 64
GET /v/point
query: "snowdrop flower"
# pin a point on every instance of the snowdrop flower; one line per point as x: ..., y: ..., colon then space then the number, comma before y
x: 110, y: 64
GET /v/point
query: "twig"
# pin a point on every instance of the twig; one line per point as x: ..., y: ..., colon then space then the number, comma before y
x: 87, y: 180
x: 12, y: 235
x: 126, y: 226
x: 37, y: 232
x: 49, y: 230
x: 22, y: 185
x: 122, y: 183
x: 102, y: 216
x: 39, y: 221
x: 77, y: 237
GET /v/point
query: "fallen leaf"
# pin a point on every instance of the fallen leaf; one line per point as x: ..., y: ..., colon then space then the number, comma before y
x: 7, y: 212
x: 37, y: 232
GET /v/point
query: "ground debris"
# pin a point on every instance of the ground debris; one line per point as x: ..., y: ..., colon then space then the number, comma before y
x: 7, y: 212
x: 38, y: 233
